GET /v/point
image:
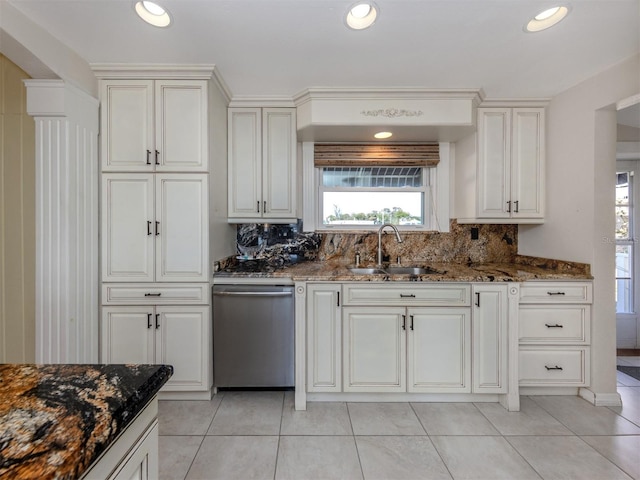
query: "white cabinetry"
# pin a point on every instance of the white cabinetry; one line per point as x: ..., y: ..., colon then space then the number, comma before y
x: 172, y: 335
x: 554, y: 328
x: 262, y: 164
x: 490, y: 338
x: 154, y: 227
x: 324, y: 338
x: 421, y: 345
x: 154, y: 125
x: 511, y: 164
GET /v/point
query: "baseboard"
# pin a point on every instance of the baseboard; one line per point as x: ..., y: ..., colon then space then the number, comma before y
x: 601, y: 399
x: 185, y: 395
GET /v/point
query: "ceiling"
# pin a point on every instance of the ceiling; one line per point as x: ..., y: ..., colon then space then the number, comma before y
x: 278, y: 48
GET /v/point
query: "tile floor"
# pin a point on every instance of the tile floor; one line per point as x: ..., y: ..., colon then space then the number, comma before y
x: 255, y: 435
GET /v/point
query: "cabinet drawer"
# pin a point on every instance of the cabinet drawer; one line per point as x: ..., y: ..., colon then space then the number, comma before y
x: 548, y: 366
x: 407, y: 294
x: 554, y: 324
x: 155, y: 294
x: 556, y: 292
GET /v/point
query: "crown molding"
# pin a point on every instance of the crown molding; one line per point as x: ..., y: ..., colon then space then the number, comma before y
x: 400, y: 93
x: 515, y: 102
x: 273, y: 101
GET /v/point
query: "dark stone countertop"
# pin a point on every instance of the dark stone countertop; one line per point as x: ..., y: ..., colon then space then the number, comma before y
x: 56, y: 420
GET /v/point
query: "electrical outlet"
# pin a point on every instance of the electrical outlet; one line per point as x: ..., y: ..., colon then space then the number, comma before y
x: 474, y: 233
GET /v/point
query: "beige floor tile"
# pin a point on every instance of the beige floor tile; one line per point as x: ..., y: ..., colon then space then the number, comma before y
x: 186, y: 417
x: 630, y: 408
x: 384, y: 419
x: 583, y: 418
x: 565, y: 457
x: 624, y: 451
x: 482, y: 458
x: 176, y: 454
x: 317, y: 458
x: 248, y: 413
x: 235, y: 458
x: 453, y: 419
x: 320, y: 418
x: 530, y: 420
x: 400, y: 458
x: 626, y: 380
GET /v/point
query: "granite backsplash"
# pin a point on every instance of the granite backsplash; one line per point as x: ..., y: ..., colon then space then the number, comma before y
x: 271, y: 246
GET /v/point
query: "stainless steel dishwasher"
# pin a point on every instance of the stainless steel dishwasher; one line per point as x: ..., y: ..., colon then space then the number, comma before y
x: 253, y: 335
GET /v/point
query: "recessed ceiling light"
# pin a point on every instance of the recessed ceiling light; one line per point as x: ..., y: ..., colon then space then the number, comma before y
x: 153, y: 13
x: 361, y: 15
x: 383, y: 135
x: 547, y: 18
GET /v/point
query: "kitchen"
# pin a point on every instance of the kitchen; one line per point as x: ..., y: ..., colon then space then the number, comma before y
x: 570, y: 120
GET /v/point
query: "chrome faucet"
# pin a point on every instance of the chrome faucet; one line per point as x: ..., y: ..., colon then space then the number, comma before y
x: 380, y: 240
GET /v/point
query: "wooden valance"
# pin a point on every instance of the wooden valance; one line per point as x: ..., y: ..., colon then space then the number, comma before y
x: 376, y: 154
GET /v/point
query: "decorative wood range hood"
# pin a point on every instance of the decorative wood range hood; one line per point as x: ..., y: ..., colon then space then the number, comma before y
x: 412, y: 114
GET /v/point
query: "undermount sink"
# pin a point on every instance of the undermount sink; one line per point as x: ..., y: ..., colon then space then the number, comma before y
x: 391, y: 270
x: 407, y: 270
x: 367, y: 271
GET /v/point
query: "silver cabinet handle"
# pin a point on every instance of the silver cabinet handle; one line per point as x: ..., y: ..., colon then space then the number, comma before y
x: 253, y: 294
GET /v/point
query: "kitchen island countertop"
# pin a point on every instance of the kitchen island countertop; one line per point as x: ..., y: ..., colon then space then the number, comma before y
x: 520, y: 270
x: 57, y: 420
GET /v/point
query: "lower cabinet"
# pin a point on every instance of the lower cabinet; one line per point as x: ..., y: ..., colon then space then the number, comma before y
x: 173, y: 335
x: 399, y: 349
x: 555, y: 334
x: 490, y: 338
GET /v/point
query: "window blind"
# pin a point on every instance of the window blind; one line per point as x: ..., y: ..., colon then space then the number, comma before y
x: 372, y: 155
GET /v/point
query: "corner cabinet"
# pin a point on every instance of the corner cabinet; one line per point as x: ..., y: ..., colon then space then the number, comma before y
x: 510, y: 170
x: 262, y: 164
x: 154, y: 125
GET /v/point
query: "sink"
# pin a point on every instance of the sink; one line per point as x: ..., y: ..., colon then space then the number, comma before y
x: 407, y: 270
x: 367, y: 271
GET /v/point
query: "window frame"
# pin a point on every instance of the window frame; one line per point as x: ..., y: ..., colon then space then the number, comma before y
x: 438, y: 196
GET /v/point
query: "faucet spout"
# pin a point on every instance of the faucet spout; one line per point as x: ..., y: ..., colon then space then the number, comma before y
x: 398, y: 238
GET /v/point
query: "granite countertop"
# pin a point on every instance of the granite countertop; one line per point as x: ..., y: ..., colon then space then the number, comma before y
x: 56, y: 420
x: 520, y: 270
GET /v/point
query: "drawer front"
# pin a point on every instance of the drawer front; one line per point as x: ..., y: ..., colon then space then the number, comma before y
x: 407, y: 294
x: 554, y: 324
x: 556, y: 292
x: 566, y: 366
x: 155, y: 294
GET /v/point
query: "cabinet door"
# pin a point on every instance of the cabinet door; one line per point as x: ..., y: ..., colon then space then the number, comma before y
x: 183, y: 339
x: 181, y: 125
x: 279, y: 162
x: 324, y: 338
x: 494, y: 158
x: 142, y: 462
x: 127, y: 335
x: 439, y: 350
x: 490, y: 339
x: 374, y: 349
x: 127, y: 228
x: 527, y: 161
x: 245, y: 170
x: 127, y: 125
x: 181, y: 228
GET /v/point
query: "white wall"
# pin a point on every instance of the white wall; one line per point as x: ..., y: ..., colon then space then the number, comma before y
x: 222, y: 235
x: 39, y: 53
x: 579, y: 219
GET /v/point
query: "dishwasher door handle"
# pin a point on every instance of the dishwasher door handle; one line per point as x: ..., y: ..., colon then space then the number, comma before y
x: 253, y: 294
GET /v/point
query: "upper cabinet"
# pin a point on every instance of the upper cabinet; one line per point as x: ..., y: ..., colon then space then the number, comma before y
x: 262, y: 164
x: 499, y: 171
x: 510, y: 163
x: 154, y: 125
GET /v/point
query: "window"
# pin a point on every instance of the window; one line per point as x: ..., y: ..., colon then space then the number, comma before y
x: 359, y: 197
x: 624, y: 242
